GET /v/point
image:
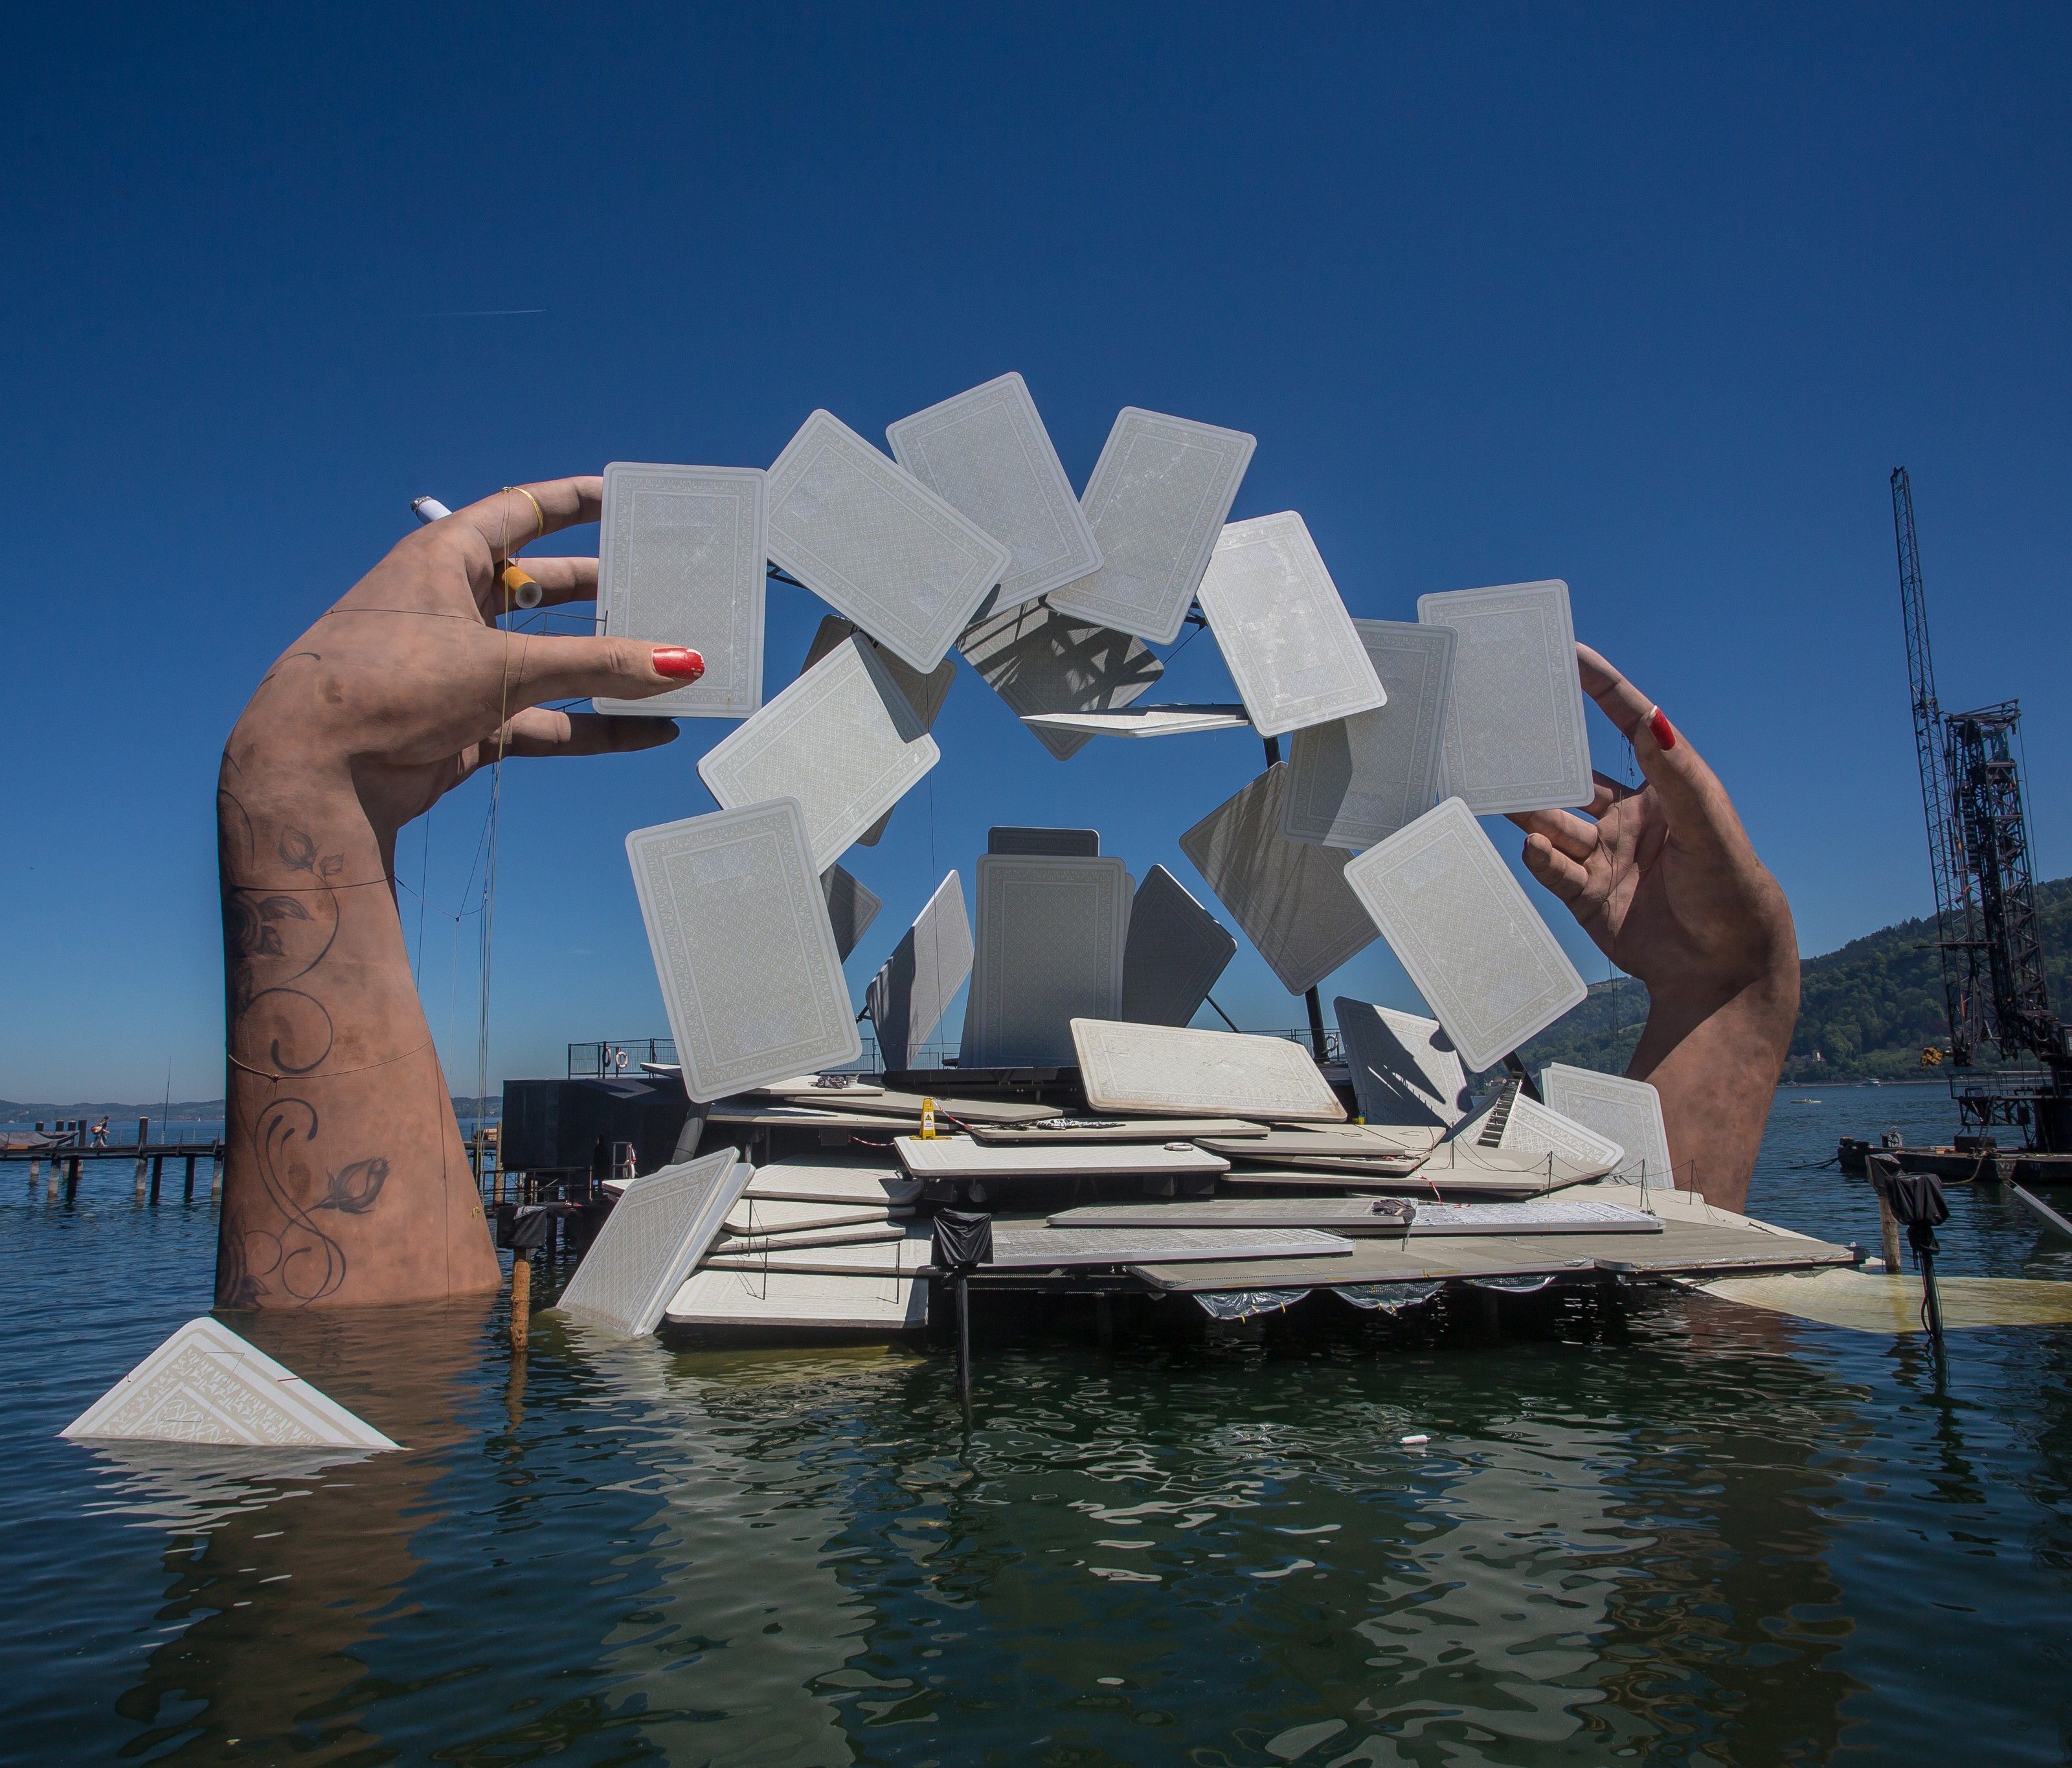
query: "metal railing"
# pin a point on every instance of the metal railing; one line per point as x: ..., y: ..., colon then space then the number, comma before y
x: 611, y: 1058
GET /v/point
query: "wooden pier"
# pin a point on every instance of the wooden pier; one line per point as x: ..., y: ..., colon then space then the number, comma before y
x: 69, y: 1149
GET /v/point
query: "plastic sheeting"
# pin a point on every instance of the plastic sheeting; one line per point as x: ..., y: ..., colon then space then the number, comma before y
x: 1242, y: 1304
x: 1387, y: 1298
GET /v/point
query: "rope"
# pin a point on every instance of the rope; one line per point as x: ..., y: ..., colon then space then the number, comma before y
x: 329, y: 1074
x: 424, y: 870
x: 492, y: 829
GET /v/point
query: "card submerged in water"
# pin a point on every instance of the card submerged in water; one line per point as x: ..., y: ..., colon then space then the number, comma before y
x: 654, y: 1234
x: 680, y: 558
x: 875, y: 543
x: 1454, y: 916
x: 1156, y: 504
x: 987, y: 453
x: 1516, y: 738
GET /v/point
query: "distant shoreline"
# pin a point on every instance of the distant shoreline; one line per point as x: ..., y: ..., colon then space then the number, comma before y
x: 15, y: 1115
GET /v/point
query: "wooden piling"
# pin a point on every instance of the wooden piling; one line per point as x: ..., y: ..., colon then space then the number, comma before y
x: 72, y: 1178
x: 215, y: 1175
x: 964, y: 1345
x: 186, y: 1191
x: 521, y: 1298
x: 157, y: 1174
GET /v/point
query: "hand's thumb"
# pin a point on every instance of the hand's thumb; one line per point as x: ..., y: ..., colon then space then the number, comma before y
x: 571, y: 669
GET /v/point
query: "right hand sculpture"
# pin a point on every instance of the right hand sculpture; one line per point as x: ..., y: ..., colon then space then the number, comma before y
x: 1668, y: 883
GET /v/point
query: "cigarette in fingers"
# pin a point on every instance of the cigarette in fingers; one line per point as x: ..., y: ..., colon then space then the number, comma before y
x: 519, y: 585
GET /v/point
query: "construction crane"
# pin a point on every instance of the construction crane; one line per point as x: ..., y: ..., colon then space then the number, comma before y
x: 1994, y: 989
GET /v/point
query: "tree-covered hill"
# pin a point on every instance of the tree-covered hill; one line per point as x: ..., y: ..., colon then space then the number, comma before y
x: 1866, y: 1010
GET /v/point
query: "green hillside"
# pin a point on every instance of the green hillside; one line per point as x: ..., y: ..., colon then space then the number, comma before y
x: 1866, y: 1010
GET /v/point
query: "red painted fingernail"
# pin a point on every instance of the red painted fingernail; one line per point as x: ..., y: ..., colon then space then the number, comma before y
x: 679, y: 664
x: 1664, y: 735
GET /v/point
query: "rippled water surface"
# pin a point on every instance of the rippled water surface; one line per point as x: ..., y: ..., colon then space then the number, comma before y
x: 1679, y: 1532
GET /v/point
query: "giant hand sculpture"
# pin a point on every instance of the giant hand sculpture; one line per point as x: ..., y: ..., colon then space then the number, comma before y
x: 345, y: 1177
x: 1666, y: 881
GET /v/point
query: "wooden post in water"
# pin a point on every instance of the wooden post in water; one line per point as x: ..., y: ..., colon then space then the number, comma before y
x: 963, y: 1345
x: 1889, y: 1228
x: 186, y: 1191
x: 143, y: 1135
x: 158, y: 1174
x: 521, y: 1298
x: 215, y: 1175
x: 72, y: 1178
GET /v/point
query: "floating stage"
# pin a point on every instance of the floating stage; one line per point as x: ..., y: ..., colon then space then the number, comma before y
x: 817, y: 1205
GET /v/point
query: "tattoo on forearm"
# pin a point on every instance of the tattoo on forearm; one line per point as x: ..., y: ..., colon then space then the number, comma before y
x: 297, y: 1258
x: 253, y: 922
x: 275, y: 940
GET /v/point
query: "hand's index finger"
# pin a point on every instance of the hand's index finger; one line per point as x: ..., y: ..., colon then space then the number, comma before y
x: 513, y: 518
x: 1699, y: 810
x: 1620, y: 701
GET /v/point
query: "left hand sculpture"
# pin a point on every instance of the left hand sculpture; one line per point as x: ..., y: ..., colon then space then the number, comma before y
x: 345, y: 1177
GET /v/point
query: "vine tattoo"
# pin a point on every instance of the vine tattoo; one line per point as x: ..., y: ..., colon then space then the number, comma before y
x: 284, y: 1250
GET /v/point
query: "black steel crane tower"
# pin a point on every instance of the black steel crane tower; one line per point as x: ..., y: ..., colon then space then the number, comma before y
x: 1986, y: 932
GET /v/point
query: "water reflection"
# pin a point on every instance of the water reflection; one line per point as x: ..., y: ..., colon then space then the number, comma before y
x: 740, y: 1654
x: 275, y: 1594
x: 1698, y: 1533
x: 1219, y: 1551
x: 1220, y: 1547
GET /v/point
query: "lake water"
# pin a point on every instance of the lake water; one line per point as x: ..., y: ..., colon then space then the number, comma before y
x: 1686, y: 1533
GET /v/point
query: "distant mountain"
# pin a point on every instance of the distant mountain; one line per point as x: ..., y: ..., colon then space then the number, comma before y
x: 1866, y: 1011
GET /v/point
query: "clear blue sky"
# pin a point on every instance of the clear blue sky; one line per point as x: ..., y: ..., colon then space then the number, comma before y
x: 1650, y: 299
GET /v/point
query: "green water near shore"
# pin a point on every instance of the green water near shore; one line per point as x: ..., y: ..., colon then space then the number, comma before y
x: 1681, y: 1532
